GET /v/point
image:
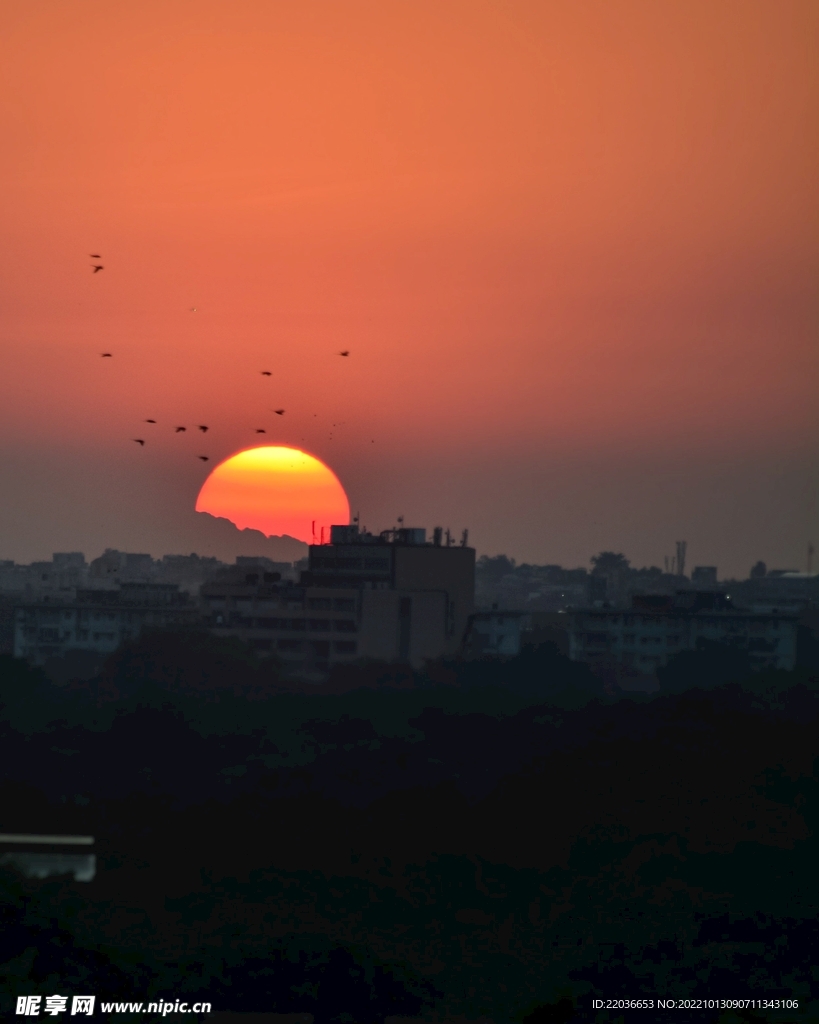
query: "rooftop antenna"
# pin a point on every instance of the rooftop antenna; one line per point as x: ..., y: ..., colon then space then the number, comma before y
x: 322, y: 535
x: 401, y: 520
x: 681, y: 548
x: 810, y: 558
x: 464, y: 538
x: 448, y: 537
x: 314, y: 531
x: 666, y: 564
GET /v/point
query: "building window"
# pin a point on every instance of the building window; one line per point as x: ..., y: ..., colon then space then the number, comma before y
x: 319, y: 625
x: 345, y: 646
x: 344, y: 626
x: 344, y: 604
x: 320, y: 603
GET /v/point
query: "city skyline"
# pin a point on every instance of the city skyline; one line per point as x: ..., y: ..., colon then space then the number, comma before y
x: 409, y: 487
x: 568, y: 254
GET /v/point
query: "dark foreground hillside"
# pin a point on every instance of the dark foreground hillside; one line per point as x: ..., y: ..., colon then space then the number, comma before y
x: 503, y: 843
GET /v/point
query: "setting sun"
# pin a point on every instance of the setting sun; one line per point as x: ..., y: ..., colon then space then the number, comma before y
x: 277, y: 490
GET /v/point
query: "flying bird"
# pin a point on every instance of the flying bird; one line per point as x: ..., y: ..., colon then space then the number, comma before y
x: 203, y: 428
x: 150, y: 421
x: 266, y: 373
x: 345, y: 353
x: 204, y: 458
x: 98, y: 267
x: 260, y: 431
x: 180, y: 430
x: 139, y: 441
x: 106, y: 355
x: 192, y: 309
x: 279, y: 412
x: 95, y: 256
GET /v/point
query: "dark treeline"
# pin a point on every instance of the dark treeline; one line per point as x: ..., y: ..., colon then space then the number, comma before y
x: 497, y: 839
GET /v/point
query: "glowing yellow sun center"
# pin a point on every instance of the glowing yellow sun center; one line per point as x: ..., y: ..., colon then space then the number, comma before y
x: 277, y: 490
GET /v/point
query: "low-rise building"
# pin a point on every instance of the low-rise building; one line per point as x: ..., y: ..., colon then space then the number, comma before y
x: 704, y: 576
x: 66, y: 571
x: 390, y: 597
x: 306, y: 628
x: 495, y: 634
x: 116, y: 565
x: 97, y: 621
x: 645, y: 637
x: 783, y: 590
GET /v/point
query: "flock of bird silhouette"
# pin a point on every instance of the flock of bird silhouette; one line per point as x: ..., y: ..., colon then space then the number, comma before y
x: 95, y: 269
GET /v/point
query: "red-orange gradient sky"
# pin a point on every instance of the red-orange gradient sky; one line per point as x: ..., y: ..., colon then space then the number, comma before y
x: 572, y: 249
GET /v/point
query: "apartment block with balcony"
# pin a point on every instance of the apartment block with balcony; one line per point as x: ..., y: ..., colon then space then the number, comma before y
x: 96, y: 622
x: 639, y: 640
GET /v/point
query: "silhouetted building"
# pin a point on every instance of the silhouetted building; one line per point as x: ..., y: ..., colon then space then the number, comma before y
x: 782, y: 590
x: 391, y: 597
x: 62, y: 575
x: 7, y: 606
x: 188, y: 571
x: 704, y: 576
x: 68, y: 560
x: 495, y: 634
x: 499, y: 581
x: 259, y: 562
x: 643, y: 638
x: 116, y: 565
x: 97, y: 621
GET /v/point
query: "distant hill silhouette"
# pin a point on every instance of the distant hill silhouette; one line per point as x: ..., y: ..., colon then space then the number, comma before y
x: 212, y: 535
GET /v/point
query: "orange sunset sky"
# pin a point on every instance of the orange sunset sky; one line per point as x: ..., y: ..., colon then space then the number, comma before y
x: 571, y: 248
